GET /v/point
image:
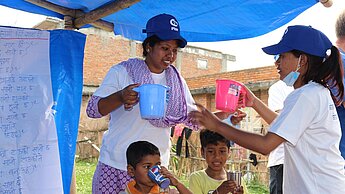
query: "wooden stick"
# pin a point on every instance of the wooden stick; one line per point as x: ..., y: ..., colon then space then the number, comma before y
x: 103, y: 11
x: 107, y: 26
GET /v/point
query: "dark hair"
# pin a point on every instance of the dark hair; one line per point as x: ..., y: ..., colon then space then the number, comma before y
x: 340, y: 25
x: 209, y: 137
x: 151, y: 41
x: 328, y: 73
x: 139, y: 149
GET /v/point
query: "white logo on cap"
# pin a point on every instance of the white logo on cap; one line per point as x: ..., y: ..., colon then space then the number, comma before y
x: 174, y: 24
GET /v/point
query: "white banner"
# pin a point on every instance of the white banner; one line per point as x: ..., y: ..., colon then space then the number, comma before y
x: 29, y: 154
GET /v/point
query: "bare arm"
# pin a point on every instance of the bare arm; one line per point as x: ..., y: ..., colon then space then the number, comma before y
x: 256, y: 142
x: 252, y: 101
x: 222, y: 115
x: 110, y: 103
x: 174, y: 181
x: 182, y: 189
x: 126, y: 96
x: 262, y: 109
x: 262, y: 144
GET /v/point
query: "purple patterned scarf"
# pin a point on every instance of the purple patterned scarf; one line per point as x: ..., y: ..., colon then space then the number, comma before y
x: 177, y: 107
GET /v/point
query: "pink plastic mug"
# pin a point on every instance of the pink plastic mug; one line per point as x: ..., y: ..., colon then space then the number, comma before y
x: 227, y: 94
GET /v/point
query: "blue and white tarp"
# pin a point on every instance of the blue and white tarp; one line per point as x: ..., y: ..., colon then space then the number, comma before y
x: 200, y: 20
x: 40, y: 98
x: 66, y: 64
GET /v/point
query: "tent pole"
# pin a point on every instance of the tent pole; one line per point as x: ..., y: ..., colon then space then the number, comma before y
x: 73, y: 187
x: 103, y: 11
x: 68, y: 22
x: 107, y: 26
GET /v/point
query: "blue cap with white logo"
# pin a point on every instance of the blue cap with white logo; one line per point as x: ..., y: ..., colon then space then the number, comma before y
x: 165, y: 27
x: 302, y: 38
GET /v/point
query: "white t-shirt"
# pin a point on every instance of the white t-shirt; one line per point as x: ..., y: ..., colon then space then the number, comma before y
x: 276, y: 96
x: 309, y: 123
x: 126, y: 127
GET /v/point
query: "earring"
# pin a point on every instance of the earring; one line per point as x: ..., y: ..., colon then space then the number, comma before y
x: 148, y: 50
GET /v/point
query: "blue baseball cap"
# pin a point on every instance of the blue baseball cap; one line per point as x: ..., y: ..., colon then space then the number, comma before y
x: 302, y: 38
x: 165, y: 27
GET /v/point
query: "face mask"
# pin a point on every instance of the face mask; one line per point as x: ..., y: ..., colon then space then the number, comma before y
x: 291, y: 78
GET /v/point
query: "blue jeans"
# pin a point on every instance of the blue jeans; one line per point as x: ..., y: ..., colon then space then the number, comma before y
x: 341, y: 115
x: 276, y: 179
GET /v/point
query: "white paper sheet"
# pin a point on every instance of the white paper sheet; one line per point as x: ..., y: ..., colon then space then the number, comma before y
x: 29, y: 155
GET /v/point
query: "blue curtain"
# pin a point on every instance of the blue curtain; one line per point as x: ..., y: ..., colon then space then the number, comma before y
x: 66, y: 63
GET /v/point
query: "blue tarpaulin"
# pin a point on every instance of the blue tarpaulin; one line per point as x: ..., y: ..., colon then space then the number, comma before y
x: 66, y: 64
x: 200, y: 20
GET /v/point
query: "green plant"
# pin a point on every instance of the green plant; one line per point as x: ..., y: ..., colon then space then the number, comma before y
x: 174, y: 160
x: 84, y: 173
x: 254, y: 187
x: 257, y: 189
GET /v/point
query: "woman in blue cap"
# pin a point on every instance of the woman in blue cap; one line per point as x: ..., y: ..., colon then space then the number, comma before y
x: 116, y: 97
x: 308, y: 124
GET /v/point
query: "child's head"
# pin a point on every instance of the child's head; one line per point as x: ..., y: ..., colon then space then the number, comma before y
x: 141, y: 156
x: 209, y: 137
x: 214, y: 148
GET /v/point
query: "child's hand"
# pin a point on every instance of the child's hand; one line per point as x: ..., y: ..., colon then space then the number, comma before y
x: 173, y: 191
x: 167, y: 174
x: 238, y: 117
x: 227, y: 187
x: 239, y: 190
x: 174, y: 182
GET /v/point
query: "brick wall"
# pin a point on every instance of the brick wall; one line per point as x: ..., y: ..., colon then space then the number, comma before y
x: 247, y: 76
x: 101, y: 52
x: 189, y: 67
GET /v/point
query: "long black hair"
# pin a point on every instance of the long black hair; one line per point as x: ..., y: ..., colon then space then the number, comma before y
x: 328, y: 72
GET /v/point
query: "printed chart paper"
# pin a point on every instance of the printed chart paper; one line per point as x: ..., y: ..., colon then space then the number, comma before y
x: 29, y: 155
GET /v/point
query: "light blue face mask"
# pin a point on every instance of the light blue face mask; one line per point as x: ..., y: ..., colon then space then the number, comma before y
x: 291, y: 78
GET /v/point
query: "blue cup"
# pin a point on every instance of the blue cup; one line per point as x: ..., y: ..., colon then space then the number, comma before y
x: 152, y: 100
x: 158, y: 178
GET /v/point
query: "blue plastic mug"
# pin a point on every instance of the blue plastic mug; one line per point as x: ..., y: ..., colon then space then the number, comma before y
x: 152, y: 100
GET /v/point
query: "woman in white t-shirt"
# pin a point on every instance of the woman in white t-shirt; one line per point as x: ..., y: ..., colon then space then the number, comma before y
x: 308, y: 125
x: 116, y: 97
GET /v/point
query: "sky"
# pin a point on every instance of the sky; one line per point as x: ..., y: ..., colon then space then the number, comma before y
x: 248, y: 51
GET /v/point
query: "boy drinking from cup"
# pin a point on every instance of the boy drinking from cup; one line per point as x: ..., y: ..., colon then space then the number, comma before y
x: 141, y: 157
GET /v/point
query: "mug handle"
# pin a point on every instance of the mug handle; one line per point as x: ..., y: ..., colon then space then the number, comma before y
x: 244, y: 92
